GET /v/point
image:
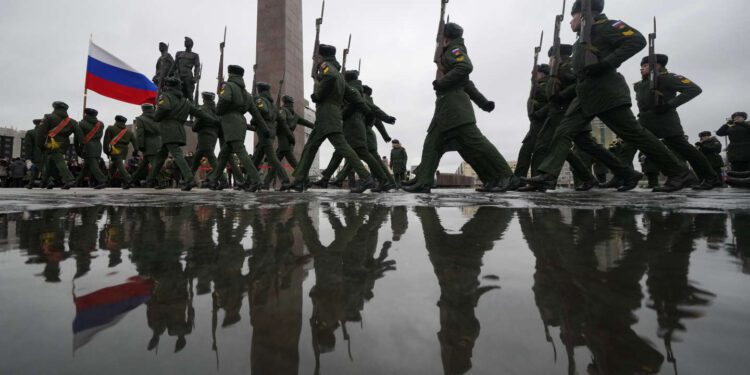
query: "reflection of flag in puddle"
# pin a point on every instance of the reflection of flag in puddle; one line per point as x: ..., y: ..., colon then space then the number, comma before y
x: 103, y: 308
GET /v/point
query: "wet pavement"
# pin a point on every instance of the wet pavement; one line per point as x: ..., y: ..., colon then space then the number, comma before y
x: 331, y: 283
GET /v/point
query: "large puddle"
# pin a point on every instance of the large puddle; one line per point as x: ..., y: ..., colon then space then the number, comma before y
x: 326, y: 287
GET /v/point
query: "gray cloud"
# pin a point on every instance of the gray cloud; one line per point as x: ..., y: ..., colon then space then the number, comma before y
x: 45, y: 47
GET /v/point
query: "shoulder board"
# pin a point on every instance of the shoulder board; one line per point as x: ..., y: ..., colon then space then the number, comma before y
x: 683, y: 79
x: 325, y: 68
x: 619, y: 25
x: 162, y: 99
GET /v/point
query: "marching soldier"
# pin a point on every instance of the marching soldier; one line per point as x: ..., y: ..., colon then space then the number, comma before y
x: 88, y: 139
x: 234, y: 102
x: 738, y: 151
x: 663, y: 121
x: 148, y: 140
x: 172, y: 113
x: 287, y: 124
x: 454, y: 121
x: 537, y: 112
x: 208, y: 132
x: 711, y: 148
x: 53, y: 136
x: 34, y: 153
x: 398, y: 162
x: 264, y: 148
x: 603, y: 93
x: 116, y: 141
x: 328, y: 98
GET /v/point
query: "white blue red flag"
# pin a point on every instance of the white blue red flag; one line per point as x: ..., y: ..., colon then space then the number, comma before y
x: 113, y: 78
x: 105, y: 307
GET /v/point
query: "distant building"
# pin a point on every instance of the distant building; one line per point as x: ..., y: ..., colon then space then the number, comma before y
x: 465, y: 169
x: 11, y: 143
x: 603, y: 135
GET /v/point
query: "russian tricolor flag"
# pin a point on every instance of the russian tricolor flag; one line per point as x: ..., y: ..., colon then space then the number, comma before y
x: 103, y: 308
x: 113, y: 78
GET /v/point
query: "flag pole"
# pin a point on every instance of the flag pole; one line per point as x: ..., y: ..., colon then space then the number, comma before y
x: 85, y: 88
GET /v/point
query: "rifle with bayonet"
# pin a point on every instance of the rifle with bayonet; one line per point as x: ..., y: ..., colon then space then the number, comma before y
x: 318, y: 23
x: 359, y: 66
x: 534, y: 71
x: 255, y: 80
x: 438, y: 58
x: 653, y: 71
x: 346, y: 55
x: 198, y: 85
x: 554, y: 70
x: 587, y: 23
x: 220, y: 77
x: 281, y: 90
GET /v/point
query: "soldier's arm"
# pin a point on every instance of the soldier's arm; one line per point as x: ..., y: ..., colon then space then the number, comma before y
x: 569, y: 77
x: 713, y: 145
x: 41, y: 132
x: 326, y: 84
x: 258, y: 120
x: 458, y: 66
x: 379, y: 114
x: 302, y: 121
x: 140, y: 134
x: 356, y: 102
x: 163, y: 109
x: 78, y: 134
x: 723, y: 131
x: 283, y: 126
x: 626, y: 40
x: 383, y: 132
x: 687, y: 89
x: 477, y: 97
x: 225, y: 100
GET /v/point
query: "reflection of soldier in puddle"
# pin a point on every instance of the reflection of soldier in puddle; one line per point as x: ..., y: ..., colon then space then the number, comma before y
x: 229, y: 283
x: 741, y: 239
x: 46, y: 242
x: 399, y: 222
x: 670, y: 242
x: 457, y: 261
x: 114, y: 236
x: 83, y: 238
x: 597, y: 263
x: 200, y: 261
x: 327, y: 294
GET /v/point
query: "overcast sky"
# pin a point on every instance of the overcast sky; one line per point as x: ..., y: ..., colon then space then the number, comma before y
x: 45, y: 44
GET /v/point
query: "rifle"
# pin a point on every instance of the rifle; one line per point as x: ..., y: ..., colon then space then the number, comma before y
x: 255, y: 80
x: 281, y: 90
x: 653, y: 72
x: 359, y: 67
x: 220, y: 77
x: 587, y: 22
x: 198, y: 84
x: 346, y: 54
x: 534, y: 71
x: 318, y: 23
x: 555, y: 68
x: 438, y: 58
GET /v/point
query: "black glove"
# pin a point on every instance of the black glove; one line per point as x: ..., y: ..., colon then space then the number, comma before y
x: 436, y: 85
x: 598, y: 69
x: 488, y: 107
x: 387, y: 139
x: 661, y: 109
x: 390, y: 120
x: 314, y: 98
x: 538, y: 115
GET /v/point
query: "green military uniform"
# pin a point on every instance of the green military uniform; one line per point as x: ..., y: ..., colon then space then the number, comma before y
x: 264, y: 148
x: 117, y: 149
x: 454, y: 123
x: 650, y: 169
x: 537, y: 107
x: 148, y: 140
x: 738, y: 150
x: 56, y: 146
x: 34, y: 153
x: 398, y: 163
x: 208, y: 130
x: 603, y: 93
x: 664, y: 121
x: 89, y: 140
x: 234, y: 102
x: 171, y: 113
x: 287, y: 124
x: 711, y: 148
x: 328, y: 97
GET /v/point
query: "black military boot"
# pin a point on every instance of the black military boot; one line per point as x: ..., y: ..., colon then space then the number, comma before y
x: 487, y: 187
x: 511, y: 184
x: 678, y: 183
x: 298, y: 186
x: 68, y: 185
x: 613, y: 183
x: 186, y: 187
x: 100, y: 186
x: 739, y: 182
x: 542, y: 182
x: 321, y: 184
x: 708, y: 184
x: 285, y: 186
x: 418, y: 189
x: 587, y: 185
x: 363, y: 185
x: 411, y: 182
x: 127, y: 185
x: 630, y: 182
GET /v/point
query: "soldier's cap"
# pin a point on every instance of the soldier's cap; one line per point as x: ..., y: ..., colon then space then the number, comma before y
x: 163, y: 45
x: 565, y: 50
x: 741, y: 114
x: 544, y: 68
x: 351, y: 75
x: 236, y: 69
x: 287, y: 99
x: 262, y: 86
x: 208, y: 95
x: 326, y: 50
x: 122, y: 119
x: 395, y: 142
x: 145, y: 106
x: 660, y: 59
x: 704, y: 134
x: 60, y: 105
x: 453, y: 31
x: 596, y: 6
x: 172, y: 81
x: 37, y: 121
x: 367, y: 89
x: 90, y: 112
x: 187, y: 39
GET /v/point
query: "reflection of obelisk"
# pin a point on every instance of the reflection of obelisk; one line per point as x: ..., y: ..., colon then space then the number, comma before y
x: 279, y: 50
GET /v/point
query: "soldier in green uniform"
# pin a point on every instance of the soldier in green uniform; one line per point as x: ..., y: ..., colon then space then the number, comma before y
x: 355, y: 112
x: 208, y: 133
x: 738, y: 151
x: 234, y: 102
x: 538, y: 110
x: 264, y: 148
x: 650, y: 169
x: 117, y: 137
x: 328, y: 97
x: 454, y: 122
x: 53, y: 136
x: 148, y: 140
x: 663, y: 120
x: 33, y: 153
x: 172, y: 112
x: 398, y: 162
x: 88, y: 138
x: 711, y: 148
x: 287, y: 124
x: 603, y: 93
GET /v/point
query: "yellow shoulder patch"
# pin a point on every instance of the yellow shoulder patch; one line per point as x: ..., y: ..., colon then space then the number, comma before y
x: 460, y: 58
x: 162, y: 100
x: 686, y: 81
x: 629, y: 33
